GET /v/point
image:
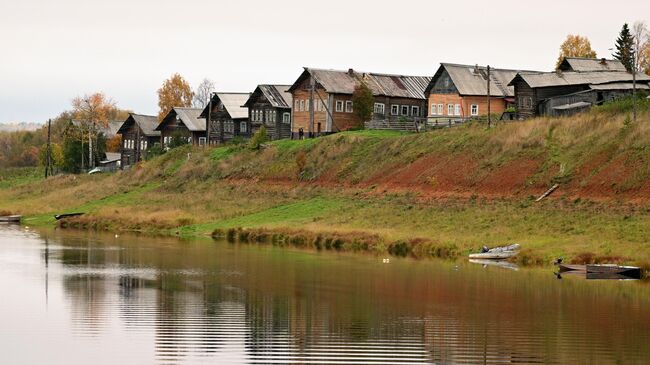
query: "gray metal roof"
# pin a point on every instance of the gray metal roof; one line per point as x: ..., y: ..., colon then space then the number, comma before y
x: 147, y: 123
x: 472, y: 80
x: 344, y: 82
x: 233, y: 102
x: 590, y: 64
x: 190, y: 117
x: 578, y: 105
x: 277, y: 95
x: 550, y: 79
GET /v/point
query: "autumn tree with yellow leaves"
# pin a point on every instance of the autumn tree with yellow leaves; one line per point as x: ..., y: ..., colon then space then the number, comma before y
x: 575, y: 46
x: 174, y: 92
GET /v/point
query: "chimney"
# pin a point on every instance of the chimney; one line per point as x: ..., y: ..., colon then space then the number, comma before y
x: 603, y: 61
x: 351, y: 72
x: 476, y: 70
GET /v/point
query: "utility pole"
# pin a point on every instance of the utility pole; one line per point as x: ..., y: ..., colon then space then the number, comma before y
x: 634, y: 86
x: 209, y: 120
x: 312, y: 86
x: 489, y: 117
x: 48, y: 159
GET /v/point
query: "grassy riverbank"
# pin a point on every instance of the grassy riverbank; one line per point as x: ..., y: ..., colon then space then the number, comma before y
x: 441, y: 193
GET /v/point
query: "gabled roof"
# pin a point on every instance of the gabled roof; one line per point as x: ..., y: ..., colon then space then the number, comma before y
x: 550, y: 79
x: 188, y: 116
x: 590, y: 64
x: 233, y: 102
x: 147, y: 124
x: 344, y: 82
x: 277, y: 95
x: 472, y: 80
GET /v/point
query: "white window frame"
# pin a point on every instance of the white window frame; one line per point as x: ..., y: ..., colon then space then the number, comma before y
x: 286, y: 118
x: 441, y: 109
x: 394, y: 109
x: 349, y: 106
x: 415, y: 111
x: 457, y: 109
x: 302, y: 105
x: 380, y: 108
x: 339, y: 106
x: 434, y: 109
x: 243, y: 127
x: 404, y: 108
x: 474, y: 110
x: 450, y: 109
x: 202, y: 141
x: 297, y: 106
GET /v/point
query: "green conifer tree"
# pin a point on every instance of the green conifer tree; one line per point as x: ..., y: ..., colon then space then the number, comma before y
x: 625, y: 48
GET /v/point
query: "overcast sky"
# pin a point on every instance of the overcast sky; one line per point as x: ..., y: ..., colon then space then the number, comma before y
x: 52, y: 51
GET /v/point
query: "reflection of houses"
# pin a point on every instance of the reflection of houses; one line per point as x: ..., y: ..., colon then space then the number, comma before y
x: 330, y: 92
x: 460, y: 91
x: 578, y: 84
x: 138, y: 134
x: 270, y: 105
x: 182, y: 123
x: 228, y: 116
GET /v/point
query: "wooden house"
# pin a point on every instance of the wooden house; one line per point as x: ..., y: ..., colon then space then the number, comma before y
x: 138, y: 134
x: 460, y: 91
x: 228, y: 117
x: 322, y: 100
x: 270, y: 106
x: 567, y: 92
x: 182, y: 123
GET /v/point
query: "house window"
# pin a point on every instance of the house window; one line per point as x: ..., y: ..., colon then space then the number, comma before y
x: 202, y: 141
x: 415, y: 111
x: 474, y: 110
x: 348, y: 106
x: 380, y: 108
x: 297, y: 107
x: 441, y: 109
x: 242, y: 127
x: 450, y: 109
x: 307, y: 105
x: 339, y: 106
x: 302, y: 105
x: 394, y: 109
x: 286, y: 118
x: 457, y: 109
x: 434, y: 109
x: 405, y: 110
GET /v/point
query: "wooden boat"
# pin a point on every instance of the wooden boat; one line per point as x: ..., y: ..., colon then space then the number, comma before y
x: 493, y: 255
x: 497, y: 253
x: 630, y: 271
x: 11, y: 218
x: 67, y: 215
x: 609, y: 276
x: 572, y: 268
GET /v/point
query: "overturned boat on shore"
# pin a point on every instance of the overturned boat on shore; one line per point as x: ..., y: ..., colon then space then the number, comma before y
x: 497, y: 253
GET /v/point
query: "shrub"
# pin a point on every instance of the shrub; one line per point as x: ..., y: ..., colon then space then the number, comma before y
x: 258, y: 139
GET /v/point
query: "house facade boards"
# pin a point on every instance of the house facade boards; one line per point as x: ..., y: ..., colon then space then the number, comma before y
x: 460, y: 91
x: 138, y: 134
x: 182, y: 123
x: 577, y: 85
x: 228, y: 117
x: 270, y: 106
x: 322, y: 99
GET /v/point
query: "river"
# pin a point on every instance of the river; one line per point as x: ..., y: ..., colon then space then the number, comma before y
x: 73, y: 297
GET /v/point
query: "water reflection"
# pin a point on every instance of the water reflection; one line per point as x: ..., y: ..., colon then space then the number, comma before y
x: 162, y: 301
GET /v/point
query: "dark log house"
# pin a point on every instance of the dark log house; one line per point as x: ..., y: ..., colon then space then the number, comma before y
x: 228, y: 117
x: 182, y: 123
x: 138, y: 134
x: 270, y: 106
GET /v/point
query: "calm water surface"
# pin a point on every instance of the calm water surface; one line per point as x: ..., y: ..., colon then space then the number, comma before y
x: 79, y: 298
